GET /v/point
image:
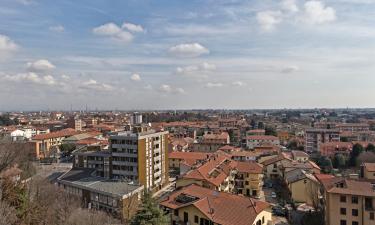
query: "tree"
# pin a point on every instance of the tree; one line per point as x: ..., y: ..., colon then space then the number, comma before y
x: 325, y: 163
x: 357, y: 150
x: 8, y: 214
x: 150, y: 213
x: 370, y: 148
x: 260, y: 125
x: 339, y: 161
x: 270, y: 131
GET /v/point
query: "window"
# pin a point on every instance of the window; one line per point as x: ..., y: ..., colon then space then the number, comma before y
x: 343, y: 211
x: 186, y: 217
x: 263, y: 220
x: 355, y: 199
x: 354, y: 223
x: 368, y: 203
x: 372, y: 216
x: 342, y: 222
x: 354, y: 212
x: 196, y: 219
x: 176, y: 212
x: 342, y: 198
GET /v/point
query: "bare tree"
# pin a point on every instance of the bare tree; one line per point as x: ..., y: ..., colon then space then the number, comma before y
x: 8, y: 214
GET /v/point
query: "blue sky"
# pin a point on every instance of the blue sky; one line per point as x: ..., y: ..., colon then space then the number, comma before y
x: 144, y: 54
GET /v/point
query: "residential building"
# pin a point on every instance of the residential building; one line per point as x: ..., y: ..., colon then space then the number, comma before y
x: 221, y: 138
x: 197, y: 205
x: 348, y: 202
x: 368, y: 171
x: 353, y: 127
x: 136, y: 118
x: 43, y: 143
x: 141, y: 155
x: 272, y: 166
x: 303, y: 187
x: 315, y: 137
x: 300, y: 156
x: 254, y: 141
x: 330, y: 149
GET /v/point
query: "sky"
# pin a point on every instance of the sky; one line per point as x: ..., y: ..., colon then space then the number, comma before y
x: 164, y: 54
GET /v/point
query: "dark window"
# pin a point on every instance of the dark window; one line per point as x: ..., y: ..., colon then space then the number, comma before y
x: 176, y: 212
x: 259, y: 222
x: 342, y: 198
x: 342, y: 222
x: 196, y: 219
x: 354, y: 199
x: 262, y: 219
x: 354, y: 212
x: 372, y: 216
x: 368, y: 203
x: 186, y: 217
x: 343, y: 211
x: 354, y: 223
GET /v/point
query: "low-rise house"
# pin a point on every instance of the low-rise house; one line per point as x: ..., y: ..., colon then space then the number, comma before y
x: 197, y: 205
x: 176, y: 159
x: 248, y: 179
x: 303, y: 187
x: 272, y: 166
x: 368, y: 171
x: 300, y: 156
x: 330, y: 149
x: 119, y: 198
x: 221, y: 138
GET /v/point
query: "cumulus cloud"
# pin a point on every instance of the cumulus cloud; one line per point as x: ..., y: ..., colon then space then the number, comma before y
x: 188, y: 50
x: 289, y: 5
x: 32, y: 78
x: 200, y: 69
x: 317, y: 13
x: 132, y: 27
x: 166, y: 88
x: 269, y: 19
x: 41, y: 65
x: 6, y: 46
x: 135, y: 77
x: 238, y: 83
x: 213, y: 85
x: 96, y: 86
x: 58, y: 28
x: 290, y: 69
x: 114, y: 32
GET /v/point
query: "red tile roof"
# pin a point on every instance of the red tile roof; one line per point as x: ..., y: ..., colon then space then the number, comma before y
x: 221, y: 208
x: 62, y: 133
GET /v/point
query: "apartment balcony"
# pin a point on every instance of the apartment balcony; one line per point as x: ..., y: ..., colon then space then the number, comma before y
x: 124, y: 163
x: 124, y: 172
x: 124, y: 154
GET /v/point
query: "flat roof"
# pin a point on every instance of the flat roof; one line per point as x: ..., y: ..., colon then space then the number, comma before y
x: 83, y: 178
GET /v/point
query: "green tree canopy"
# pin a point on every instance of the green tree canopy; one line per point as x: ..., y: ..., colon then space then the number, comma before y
x: 149, y: 213
x: 357, y: 150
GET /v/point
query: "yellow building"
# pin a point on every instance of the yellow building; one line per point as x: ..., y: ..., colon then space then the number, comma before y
x: 303, y: 187
x: 141, y: 155
x: 368, y: 171
x: 348, y: 202
x: 197, y: 205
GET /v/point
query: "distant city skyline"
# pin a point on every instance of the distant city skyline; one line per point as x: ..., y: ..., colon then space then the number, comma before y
x: 137, y: 55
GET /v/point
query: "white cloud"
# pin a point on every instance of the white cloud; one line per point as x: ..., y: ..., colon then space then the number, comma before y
x: 41, y: 65
x: 188, y: 50
x: 135, y: 77
x: 290, y: 69
x: 58, y: 28
x: 96, y: 86
x: 7, y: 45
x: 289, y: 5
x: 107, y: 29
x: 113, y: 31
x: 65, y: 77
x: 200, y: 69
x: 25, y: 2
x: 317, y: 13
x: 132, y: 27
x: 31, y: 78
x: 238, y: 83
x: 213, y: 85
x: 165, y: 88
x: 269, y: 19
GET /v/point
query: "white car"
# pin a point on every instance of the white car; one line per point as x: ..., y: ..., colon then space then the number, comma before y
x: 273, y: 195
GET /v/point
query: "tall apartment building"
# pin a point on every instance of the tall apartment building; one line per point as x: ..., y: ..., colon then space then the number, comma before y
x: 135, y: 118
x: 315, y: 137
x: 140, y: 155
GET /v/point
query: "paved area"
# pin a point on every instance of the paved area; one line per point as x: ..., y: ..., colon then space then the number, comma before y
x: 267, y: 195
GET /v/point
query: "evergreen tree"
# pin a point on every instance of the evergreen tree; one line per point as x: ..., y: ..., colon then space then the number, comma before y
x: 149, y: 213
x: 370, y: 148
x: 357, y: 150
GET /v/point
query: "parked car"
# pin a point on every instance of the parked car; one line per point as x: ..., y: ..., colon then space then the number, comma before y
x: 273, y: 195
